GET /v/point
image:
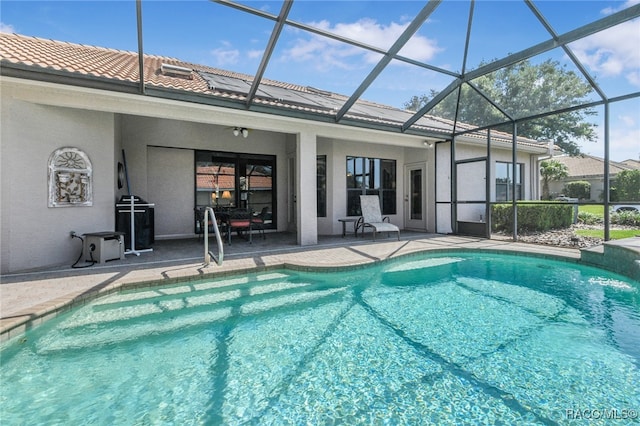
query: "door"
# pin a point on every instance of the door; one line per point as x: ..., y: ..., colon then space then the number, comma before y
x: 471, y: 197
x: 415, y: 205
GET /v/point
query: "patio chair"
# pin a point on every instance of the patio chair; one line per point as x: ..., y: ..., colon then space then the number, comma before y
x: 241, y: 221
x: 199, y: 216
x: 259, y: 220
x: 372, y: 217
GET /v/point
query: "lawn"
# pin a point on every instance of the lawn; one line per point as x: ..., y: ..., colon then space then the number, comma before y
x: 597, y: 209
x: 614, y: 234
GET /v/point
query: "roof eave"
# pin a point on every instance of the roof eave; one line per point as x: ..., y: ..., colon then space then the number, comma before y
x: 38, y: 73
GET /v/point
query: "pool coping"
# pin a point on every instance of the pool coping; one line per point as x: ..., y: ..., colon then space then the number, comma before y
x: 317, y: 259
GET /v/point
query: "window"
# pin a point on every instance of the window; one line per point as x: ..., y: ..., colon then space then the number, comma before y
x: 228, y: 180
x: 371, y: 176
x: 504, y: 181
x: 321, y: 185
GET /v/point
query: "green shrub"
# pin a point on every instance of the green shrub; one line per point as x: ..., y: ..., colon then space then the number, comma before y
x: 532, y: 217
x: 626, y: 218
x: 579, y: 189
x: 590, y: 218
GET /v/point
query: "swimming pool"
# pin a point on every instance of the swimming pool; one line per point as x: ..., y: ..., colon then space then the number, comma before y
x: 447, y: 338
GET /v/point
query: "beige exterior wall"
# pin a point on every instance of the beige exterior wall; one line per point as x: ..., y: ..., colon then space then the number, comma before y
x: 33, y: 234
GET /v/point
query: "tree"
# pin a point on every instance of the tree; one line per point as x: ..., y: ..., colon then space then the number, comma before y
x: 627, y: 185
x: 551, y: 170
x: 523, y: 90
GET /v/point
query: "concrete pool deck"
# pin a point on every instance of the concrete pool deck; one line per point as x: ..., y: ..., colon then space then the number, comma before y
x: 29, y: 298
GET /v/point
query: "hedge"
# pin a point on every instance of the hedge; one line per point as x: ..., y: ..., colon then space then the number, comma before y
x: 532, y: 217
x: 578, y: 189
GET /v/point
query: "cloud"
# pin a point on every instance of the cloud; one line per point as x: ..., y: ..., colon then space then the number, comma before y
x: 628, y: 120
x: 625, y: 5
x: 255, y: 53
x: 330, y: 54
x: 624, y: 144
x: 612, y: 52
x: 624, y: 134
x: 6, y: 28
x: 226, y: 55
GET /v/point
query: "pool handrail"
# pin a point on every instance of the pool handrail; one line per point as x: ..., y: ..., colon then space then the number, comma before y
x: 207, y: 254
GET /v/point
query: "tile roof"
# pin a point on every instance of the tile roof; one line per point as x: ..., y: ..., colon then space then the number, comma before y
x: 102, y: 62
x: 632, y: 164
x: 118, y: 65
x: 589, y: 165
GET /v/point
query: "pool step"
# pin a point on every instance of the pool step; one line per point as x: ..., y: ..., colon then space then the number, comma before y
x: 621, y: 256
x: 127, y: 316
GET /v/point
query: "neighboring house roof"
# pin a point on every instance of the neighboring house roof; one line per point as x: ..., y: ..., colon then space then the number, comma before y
x: 632, y: 164
x: 589, y: 166
x: 20, y: 53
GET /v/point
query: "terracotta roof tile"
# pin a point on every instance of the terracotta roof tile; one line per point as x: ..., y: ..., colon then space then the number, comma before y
x: 122, y: 65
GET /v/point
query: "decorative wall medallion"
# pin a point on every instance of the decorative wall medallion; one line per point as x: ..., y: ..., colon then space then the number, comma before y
x: 70, y: 178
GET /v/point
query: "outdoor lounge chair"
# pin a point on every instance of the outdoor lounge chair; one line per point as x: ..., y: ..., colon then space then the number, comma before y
x: 372, y: 217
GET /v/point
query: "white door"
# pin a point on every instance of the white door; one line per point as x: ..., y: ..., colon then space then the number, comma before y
x: 415, y: 203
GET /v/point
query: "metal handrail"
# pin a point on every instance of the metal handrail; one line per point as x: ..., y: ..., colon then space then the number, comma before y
x: 207, y: 254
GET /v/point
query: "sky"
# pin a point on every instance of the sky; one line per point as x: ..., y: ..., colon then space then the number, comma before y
x: 207, y: 33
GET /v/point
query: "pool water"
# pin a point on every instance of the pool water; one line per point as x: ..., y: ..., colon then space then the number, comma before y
x: 453, y: 338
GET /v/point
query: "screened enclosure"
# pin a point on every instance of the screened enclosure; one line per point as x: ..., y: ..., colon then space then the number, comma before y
x: 523, y: 69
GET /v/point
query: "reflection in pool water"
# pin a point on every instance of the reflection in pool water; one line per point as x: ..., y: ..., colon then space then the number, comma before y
x: 451, y: 338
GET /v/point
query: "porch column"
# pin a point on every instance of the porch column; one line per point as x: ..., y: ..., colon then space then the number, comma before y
x: 306, y: 199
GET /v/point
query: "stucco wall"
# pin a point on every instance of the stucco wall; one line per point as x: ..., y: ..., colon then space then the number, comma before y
x: 34, y: 234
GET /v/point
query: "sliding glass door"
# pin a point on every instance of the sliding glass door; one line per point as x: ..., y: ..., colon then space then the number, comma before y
x: 227, y: 181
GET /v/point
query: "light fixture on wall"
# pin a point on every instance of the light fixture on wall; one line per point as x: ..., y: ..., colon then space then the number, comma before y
x: 237, y: 131
x: 428, y: 144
